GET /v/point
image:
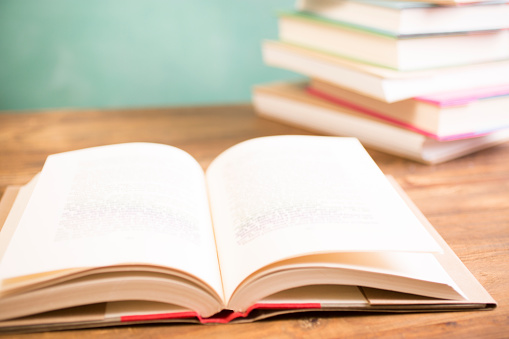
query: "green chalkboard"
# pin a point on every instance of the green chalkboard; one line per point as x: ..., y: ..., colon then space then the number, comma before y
x: 133, y: 53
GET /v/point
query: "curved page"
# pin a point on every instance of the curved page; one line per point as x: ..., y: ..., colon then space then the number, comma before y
x: 129, y: 203
x: 281, y: 197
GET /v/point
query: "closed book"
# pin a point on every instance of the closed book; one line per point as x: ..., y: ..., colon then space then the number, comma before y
x: 444, y: 116
x: 402, y: 53
x: 411, y: 18
x: 292, y: 104
x: 379, y: 82
x: 452, y: 2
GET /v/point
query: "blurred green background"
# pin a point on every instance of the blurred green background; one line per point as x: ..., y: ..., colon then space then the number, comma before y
x: 133, y: 53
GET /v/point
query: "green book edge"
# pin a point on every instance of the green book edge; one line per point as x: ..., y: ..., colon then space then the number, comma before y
x: 369, y: 30
x: 339, y: 24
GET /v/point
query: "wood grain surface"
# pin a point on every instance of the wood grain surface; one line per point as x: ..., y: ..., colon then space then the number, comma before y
x: 467, y: 200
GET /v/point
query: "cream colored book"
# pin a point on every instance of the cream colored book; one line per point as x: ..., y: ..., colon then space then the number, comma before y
x: 410, y: 17
x: 138, y: 232
x: 443, y: 116
x: 379, y: 82
x: 398, y: 52
x: 453, y: 2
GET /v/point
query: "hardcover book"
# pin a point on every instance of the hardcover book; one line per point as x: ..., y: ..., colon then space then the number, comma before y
x: 411, y: 18
x: 453, y: 2
x: 379, y: 82
x: 404, y: 53
x: 135, y: 233
x: 444, y: 116
x: 292, y: 103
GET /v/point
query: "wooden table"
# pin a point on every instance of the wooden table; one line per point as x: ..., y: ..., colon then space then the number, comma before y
x: 467, y: 200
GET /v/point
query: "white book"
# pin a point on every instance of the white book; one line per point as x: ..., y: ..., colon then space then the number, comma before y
x: 379, y: 82
x: 444, y: 116
x: 408, y: 18
x: 291, y: 104
x: 452, y: 2
x: 404, y: 53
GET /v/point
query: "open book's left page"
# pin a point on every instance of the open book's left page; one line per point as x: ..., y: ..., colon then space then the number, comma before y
x: 132, y: 203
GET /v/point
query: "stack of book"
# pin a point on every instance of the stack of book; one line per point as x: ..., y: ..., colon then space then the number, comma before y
x: 425, y: 81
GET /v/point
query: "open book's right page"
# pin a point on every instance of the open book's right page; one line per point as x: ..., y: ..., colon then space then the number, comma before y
x: 280, y: 197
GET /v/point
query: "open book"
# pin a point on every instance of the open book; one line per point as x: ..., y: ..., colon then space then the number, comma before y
x: 137, y: 232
